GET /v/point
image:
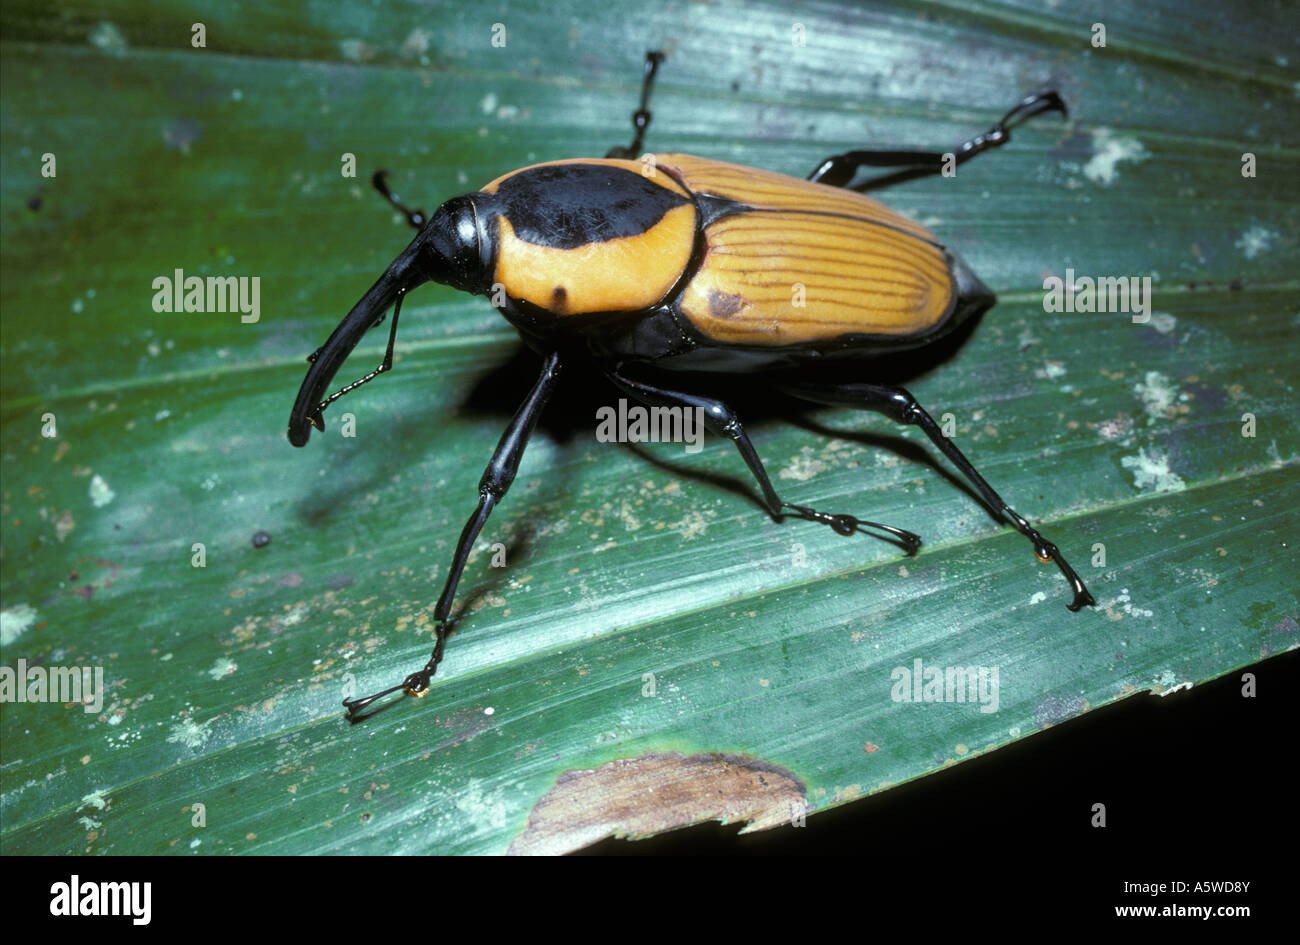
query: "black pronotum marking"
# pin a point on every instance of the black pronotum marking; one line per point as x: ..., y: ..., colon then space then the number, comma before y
x: 565, y: 206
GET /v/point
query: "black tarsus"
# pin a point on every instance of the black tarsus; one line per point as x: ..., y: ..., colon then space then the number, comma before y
x: 838, y: 170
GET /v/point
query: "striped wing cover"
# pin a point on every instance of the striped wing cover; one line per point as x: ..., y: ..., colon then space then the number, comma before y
x: 808, y: 263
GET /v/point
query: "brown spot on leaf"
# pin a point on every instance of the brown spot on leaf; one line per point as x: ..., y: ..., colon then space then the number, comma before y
x: 1285, y: 625
x: 640, y: 797
x: 464, y: 725
x: 725, y: 304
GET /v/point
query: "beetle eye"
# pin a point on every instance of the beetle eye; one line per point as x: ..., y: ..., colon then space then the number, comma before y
x: 452, y: 246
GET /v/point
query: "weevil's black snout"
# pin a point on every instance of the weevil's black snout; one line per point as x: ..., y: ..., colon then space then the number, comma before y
x: 298, y: 436
x: 409, y: 270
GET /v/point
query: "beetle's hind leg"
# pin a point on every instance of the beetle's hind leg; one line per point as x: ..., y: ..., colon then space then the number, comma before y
x: 641, y: 117
x: 722, y: 421
x: 417, y: 218
x: 838, y: 170
x: 899, y: 405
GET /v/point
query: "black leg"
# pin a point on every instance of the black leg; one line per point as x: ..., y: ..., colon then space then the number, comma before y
x: 900, y: 406
x: 498, y: 476
x: 416, y: 218
x: 722, y: 421
x: 640, y: 117
x: 838, y: 170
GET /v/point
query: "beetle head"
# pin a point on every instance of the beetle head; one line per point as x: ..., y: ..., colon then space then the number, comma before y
x: 455, y: 248
x: 447, y: 250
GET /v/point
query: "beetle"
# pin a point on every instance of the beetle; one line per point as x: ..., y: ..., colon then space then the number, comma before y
x: 672, y: 267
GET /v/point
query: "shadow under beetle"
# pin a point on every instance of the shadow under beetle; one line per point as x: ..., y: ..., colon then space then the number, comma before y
x: 665, y: 265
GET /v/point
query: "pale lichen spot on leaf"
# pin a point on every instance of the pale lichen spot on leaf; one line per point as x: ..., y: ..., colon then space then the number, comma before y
x: 96, y: 799
x: 15, y: 621
x: 1157, y: 392
x: 222, y: 667
x: 106, y: 37
x: 1108, y: 151
x: 191, y: 734
x: 1151, y: 471
x: 1255, y: 240
x: 100, y: 492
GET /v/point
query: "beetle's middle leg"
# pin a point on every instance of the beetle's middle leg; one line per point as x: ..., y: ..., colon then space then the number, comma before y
x: 899, y: 405
x: 838, y: 170
x: 722, y: 421
x: 498, y: 476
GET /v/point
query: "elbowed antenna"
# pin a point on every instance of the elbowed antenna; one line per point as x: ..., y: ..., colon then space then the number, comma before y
x: 404, y: 274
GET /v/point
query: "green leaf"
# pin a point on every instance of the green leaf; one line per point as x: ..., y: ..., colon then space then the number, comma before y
x: 776, y: 650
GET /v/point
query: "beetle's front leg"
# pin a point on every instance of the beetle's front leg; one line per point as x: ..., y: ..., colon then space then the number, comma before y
x: 722, y: 421
x: 498, y: 476
x: 899, y: 405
